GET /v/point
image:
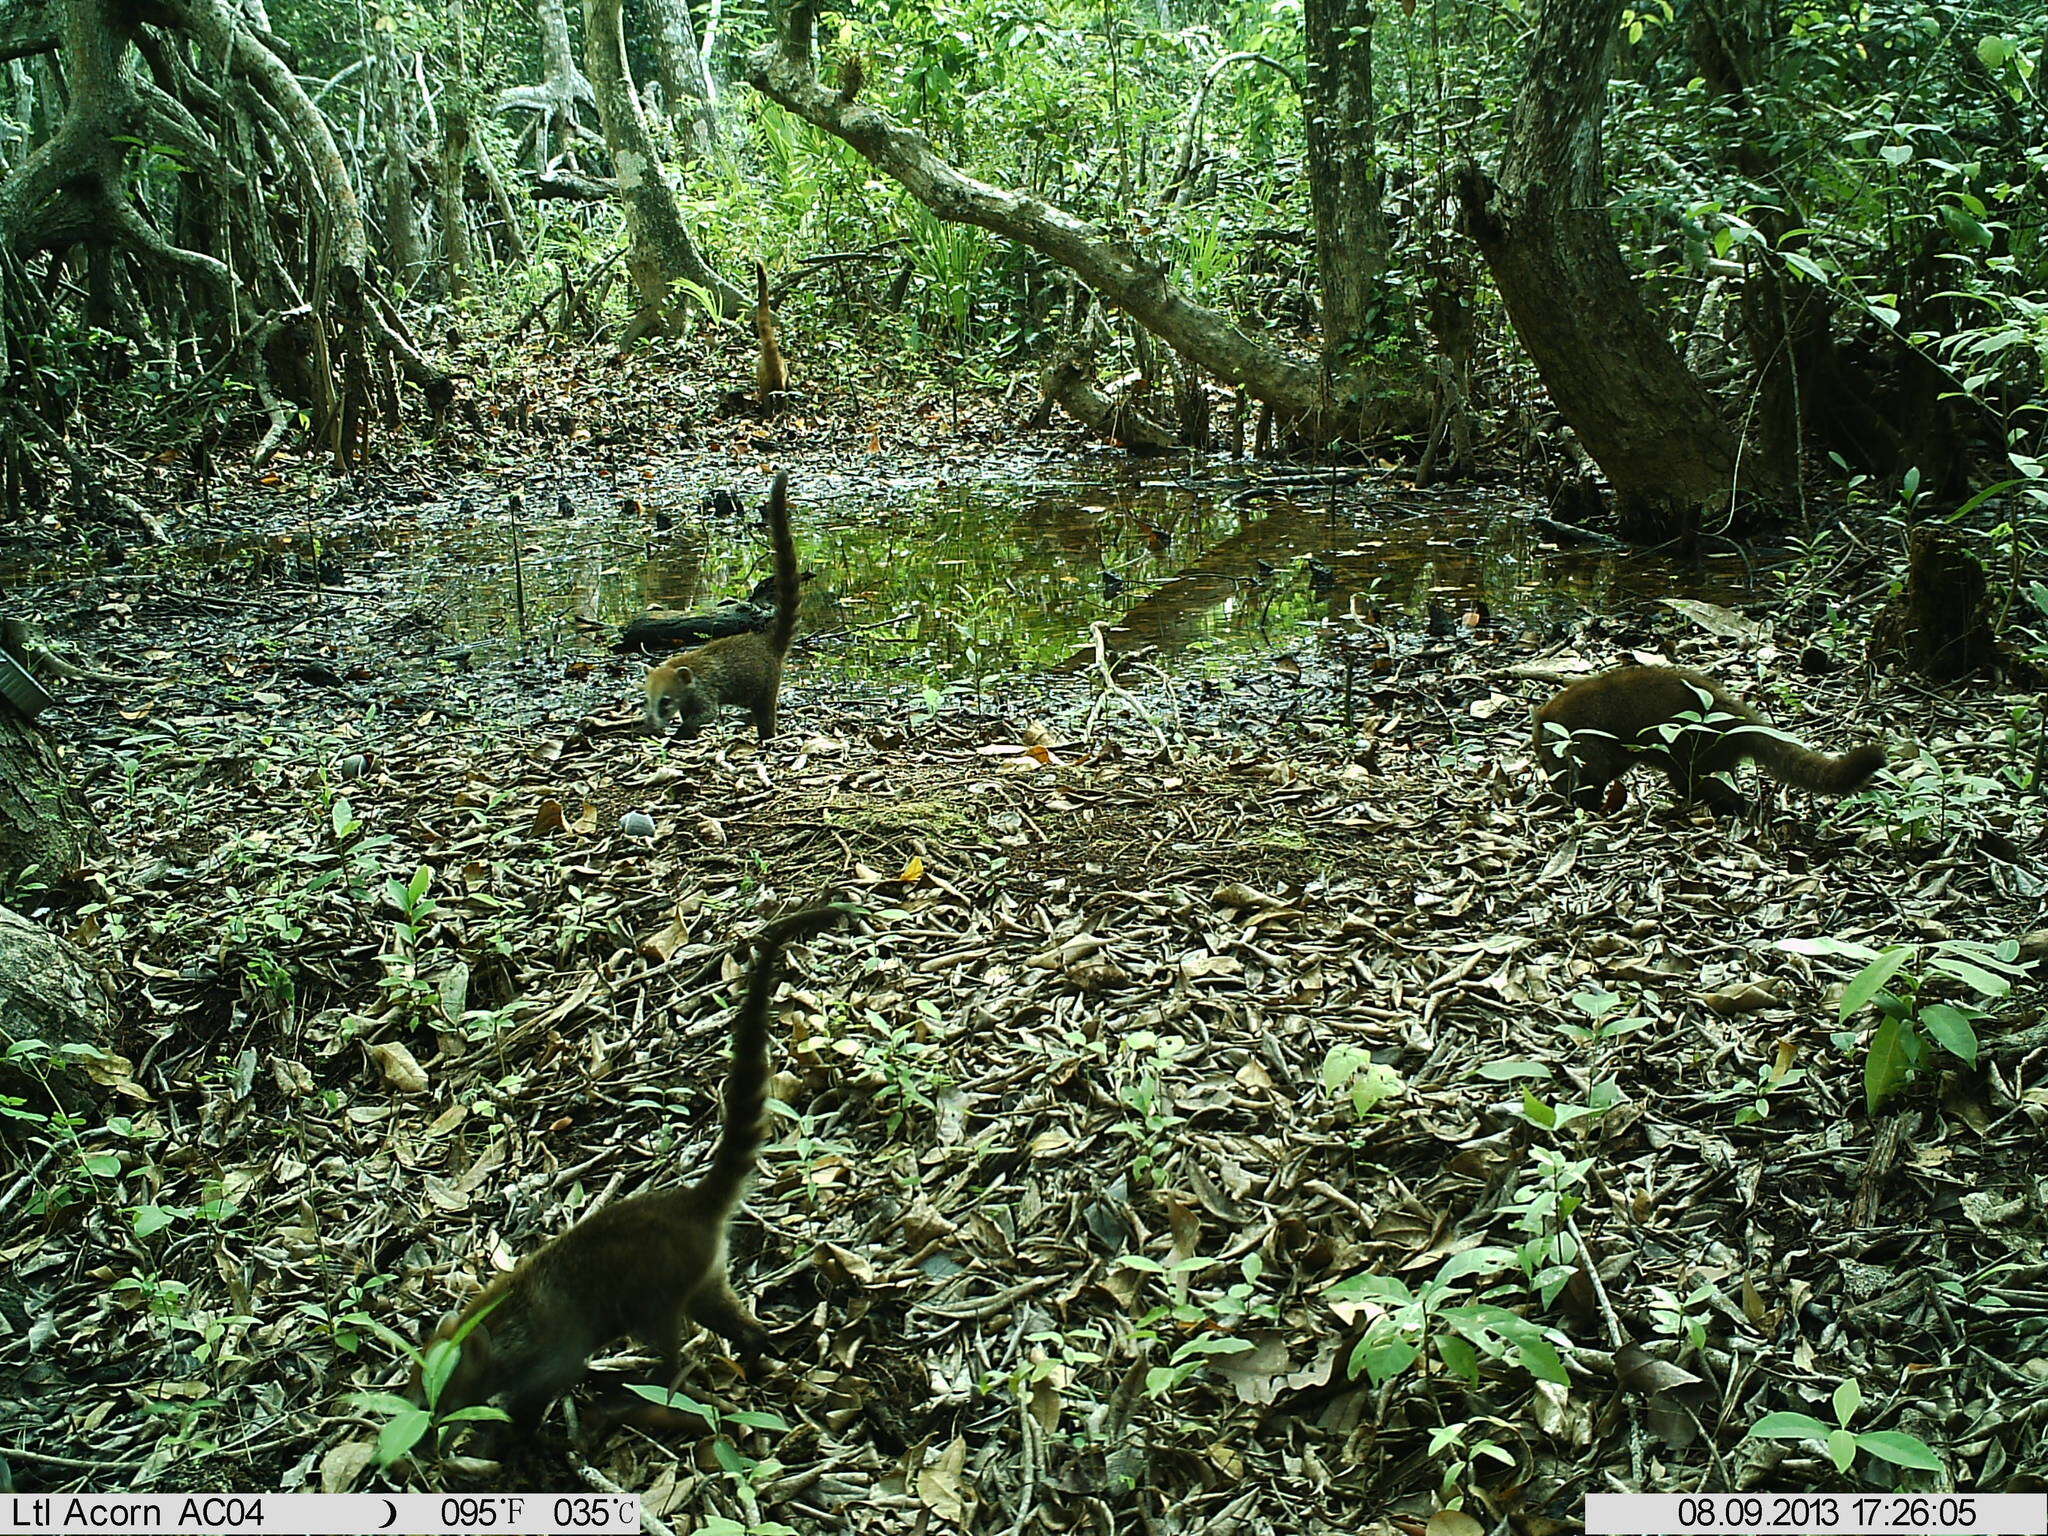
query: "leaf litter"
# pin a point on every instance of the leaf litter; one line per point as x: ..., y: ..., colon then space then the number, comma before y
x: 1157, y: 1038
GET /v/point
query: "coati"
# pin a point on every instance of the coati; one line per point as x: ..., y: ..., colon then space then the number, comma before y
x: 639, y: 1266
x: 1631, y: 714
x: 687, y: 691
x: 771, y: 373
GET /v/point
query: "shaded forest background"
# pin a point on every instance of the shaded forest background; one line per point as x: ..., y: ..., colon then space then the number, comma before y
x: 1692, y: 265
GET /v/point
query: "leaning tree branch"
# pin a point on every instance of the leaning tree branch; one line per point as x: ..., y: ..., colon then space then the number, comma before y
x: 786, y: 75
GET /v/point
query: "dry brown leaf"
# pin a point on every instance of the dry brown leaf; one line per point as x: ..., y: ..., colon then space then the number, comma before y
x: 344, y: 1462
x: 1747, y: 997
x: 396, y: 1066
x: 943, y: 1488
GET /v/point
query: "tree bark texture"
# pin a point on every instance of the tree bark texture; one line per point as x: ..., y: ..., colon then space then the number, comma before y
x: 660, y: 251
x: 1605, y: 356
x: 50, y: 991
x: 1344, y: 184
x: 41, y: 822
x: 684, y: 73
x: 264, y: 217
x: 563, y: 86
x: 1940, y: 623
x: 405, y: 244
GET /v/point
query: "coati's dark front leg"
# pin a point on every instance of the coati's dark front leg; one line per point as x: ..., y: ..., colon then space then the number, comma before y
x: 1710, y: 790
x: 1582, y: 769
x: 717, y: 1308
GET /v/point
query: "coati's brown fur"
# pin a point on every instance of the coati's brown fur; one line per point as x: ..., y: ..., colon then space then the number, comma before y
x: 640, y: 1266
x: 689, y: 690
x: 1619, y: 718
x: 771, y: 372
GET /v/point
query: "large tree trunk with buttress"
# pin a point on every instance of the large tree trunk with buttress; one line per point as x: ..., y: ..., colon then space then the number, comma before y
x: 1605, y: 356
x: 78, y: 191
x: 786, y: 74
x: 660, y: 251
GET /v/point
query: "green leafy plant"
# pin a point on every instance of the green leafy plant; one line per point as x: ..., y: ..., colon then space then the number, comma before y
x: 1350, y: 1074
x: 1460, y: 1451
x: 1896, y: 982
x: 747, y: 1473
x: 1844, y: 1444
x: 1200, y: 1319
x: 1406, y: 1325
x: 1682, y: 1317
x: 406, y: 1423
x: 911, y: 1064
x: 1778, y: 1076
x: 1150, y: 1120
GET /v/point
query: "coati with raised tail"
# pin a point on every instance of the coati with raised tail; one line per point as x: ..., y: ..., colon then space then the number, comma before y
x: 1685, y: 724
x: 689, y: 690
x: 771, y: 372
x: 640, y: 1266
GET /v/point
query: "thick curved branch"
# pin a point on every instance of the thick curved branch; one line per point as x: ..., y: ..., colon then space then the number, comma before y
x: 1138, y: 287
x: 222, y: 34
x: 28, y: 27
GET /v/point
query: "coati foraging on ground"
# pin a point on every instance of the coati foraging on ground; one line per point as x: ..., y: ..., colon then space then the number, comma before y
x: 687, y: 691
x: 771, y: 372
x: 639, y: 1266
x: 1593, y: 732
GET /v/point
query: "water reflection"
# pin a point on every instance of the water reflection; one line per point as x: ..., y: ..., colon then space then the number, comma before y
x: 977, y: 579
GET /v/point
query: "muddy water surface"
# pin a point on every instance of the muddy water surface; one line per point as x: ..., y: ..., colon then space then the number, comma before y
x: 977, y: 578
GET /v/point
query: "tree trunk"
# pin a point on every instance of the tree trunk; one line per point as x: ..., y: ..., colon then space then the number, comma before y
x: 785, y: 74
x: 562, y: 88
x: 510, y: 244
x: 683, y: 70
x: 449, y: 199
x: 50, y: 991
x: 1344, y: 190
x: 1940, y: 623
x: 248, y: 116
x: 660, y: 252
x: 1607, y: 360
x: 41, y: 824
x: 405, y: 246
x: 1784, y: 318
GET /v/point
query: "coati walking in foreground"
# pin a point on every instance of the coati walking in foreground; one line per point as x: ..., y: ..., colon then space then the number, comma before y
x: 687, y: 691
x: 639, y: 1266
x: 771, y: 372
x: 1631, y: 714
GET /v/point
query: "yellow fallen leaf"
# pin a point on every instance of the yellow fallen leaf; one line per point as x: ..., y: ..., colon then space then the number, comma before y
x: 913, y: 871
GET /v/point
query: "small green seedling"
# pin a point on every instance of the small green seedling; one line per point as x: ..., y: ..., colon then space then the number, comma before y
x: 1843, y: 1444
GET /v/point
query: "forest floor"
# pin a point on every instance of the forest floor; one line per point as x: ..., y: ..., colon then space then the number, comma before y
x: 1156, y: 1038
